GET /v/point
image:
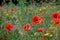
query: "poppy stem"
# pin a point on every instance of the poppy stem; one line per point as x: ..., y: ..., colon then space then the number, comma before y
x: 56, y: 34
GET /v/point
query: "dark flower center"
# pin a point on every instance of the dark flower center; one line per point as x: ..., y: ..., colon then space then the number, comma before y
x: 36, y: 19
x: 55, y: 16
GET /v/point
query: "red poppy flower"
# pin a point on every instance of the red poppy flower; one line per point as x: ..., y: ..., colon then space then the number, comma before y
x: 57, y: 22
x: 55, y: 16
x: 12, y: 10
x: 36, y: 19
x: 27, y: 27
x: 40, y: 29
x: 59, y: 17
x: 9, y: 26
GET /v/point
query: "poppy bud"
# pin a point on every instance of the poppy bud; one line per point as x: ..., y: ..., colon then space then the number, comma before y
x: 40, y: 29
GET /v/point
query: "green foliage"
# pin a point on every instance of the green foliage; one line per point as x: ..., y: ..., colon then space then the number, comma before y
x: 23, y: 15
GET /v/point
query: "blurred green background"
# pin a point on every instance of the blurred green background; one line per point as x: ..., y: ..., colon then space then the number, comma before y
x: 23, y: 12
